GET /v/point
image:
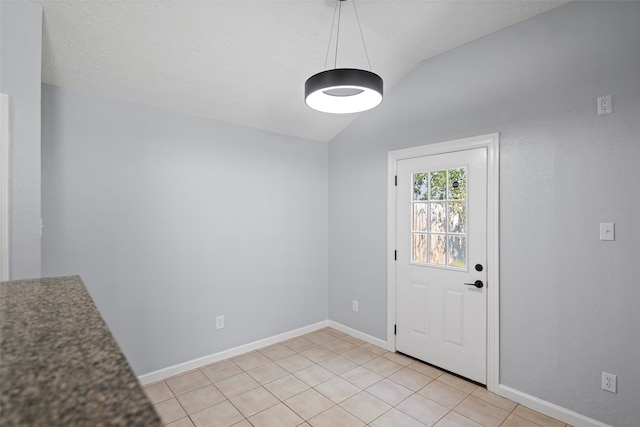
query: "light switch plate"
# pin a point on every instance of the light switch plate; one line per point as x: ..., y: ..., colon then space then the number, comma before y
x: 607, y: 231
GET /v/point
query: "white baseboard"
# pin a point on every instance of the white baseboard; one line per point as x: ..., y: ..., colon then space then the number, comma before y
x: 548, y: 408
x: 180, y: 368
x: 354, y: 333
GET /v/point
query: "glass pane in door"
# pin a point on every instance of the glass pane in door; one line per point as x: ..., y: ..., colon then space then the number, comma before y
x: 419, y: 253
x: 437, y: 252
x: 439, y: 217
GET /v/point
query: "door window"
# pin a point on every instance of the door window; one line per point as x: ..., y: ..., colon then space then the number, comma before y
x: 439, y: 218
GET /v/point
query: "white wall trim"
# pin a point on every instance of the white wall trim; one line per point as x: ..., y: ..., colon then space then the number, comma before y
x: 548, y: 408
x: 357, y: 334
x: 4, y: 187
x: 492, y: 143
x: 180, y: 368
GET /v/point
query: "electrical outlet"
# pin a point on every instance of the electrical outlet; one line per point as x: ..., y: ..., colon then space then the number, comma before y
x: 609, y: 382
x: 355, y: 305
x: 219, y: 322
x: 605, y: 105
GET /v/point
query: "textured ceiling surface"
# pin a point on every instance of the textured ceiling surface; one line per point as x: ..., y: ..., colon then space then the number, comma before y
x: 246, y: 62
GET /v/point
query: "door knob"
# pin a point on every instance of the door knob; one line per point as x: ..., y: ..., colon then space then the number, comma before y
x: 478, y: 284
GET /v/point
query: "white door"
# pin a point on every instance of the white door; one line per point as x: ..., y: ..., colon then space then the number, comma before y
x: 441, y: 290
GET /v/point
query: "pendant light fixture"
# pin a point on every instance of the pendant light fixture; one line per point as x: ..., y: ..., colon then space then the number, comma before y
x: 343, y: 90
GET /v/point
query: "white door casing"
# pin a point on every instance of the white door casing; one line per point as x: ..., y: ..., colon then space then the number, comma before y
x: 417, y: 301
x: 4, y: 187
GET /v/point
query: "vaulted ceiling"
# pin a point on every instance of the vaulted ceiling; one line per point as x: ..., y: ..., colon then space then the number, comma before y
x: 245, y: 62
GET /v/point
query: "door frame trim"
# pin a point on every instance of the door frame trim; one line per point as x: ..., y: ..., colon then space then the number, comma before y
x: 4, y: 187
x: 492, y: 143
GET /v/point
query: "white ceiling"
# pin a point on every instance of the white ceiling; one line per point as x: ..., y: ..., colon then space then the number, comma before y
x: 246, y: 62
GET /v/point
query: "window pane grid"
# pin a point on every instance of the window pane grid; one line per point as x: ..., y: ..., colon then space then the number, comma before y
x: 439, y: 218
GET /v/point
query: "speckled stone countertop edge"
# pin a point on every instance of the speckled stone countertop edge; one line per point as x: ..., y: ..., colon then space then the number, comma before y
x: 59, y: 363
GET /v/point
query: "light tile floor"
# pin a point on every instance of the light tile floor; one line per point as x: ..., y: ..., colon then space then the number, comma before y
x: 328, y: 378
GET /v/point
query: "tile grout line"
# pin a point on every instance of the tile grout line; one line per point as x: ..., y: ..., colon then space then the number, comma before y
x: 339, y: 404
x: 227, y: 399
x: 314, y: 387
x: 359, y: 344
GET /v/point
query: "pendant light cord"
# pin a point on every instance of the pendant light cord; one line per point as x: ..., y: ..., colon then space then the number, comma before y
x: 338, y: 10
x: 335, y: 62
x: 361, y: 34
x: 326, y: 59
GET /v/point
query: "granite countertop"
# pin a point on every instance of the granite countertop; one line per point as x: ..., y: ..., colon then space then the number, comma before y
x: 59, y: 364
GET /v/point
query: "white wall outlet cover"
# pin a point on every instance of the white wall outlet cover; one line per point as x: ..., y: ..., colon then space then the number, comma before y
x: 605, y: 105
x: 607, y: 231
x: 609, y: 382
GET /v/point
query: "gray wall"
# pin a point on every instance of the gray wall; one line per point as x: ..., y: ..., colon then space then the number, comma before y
x: 172, y: 219
x: 569, y: 302
x: 20, y: 64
